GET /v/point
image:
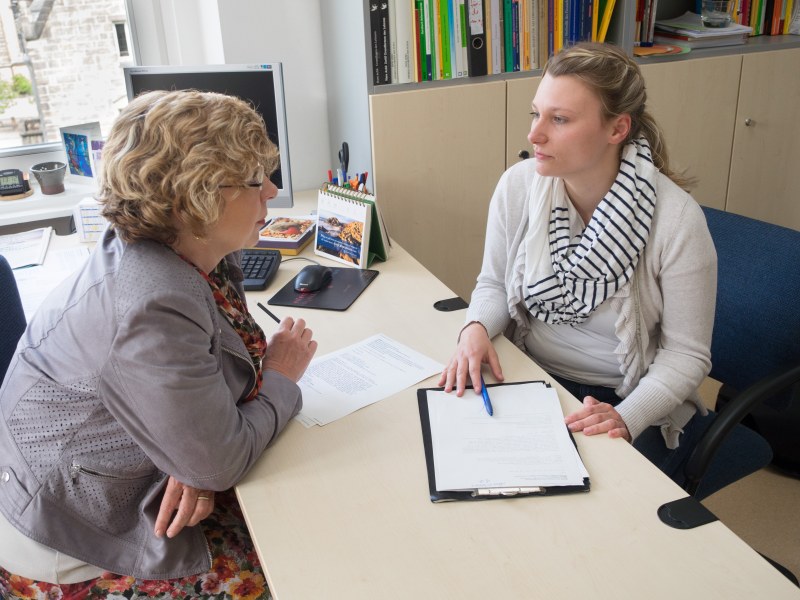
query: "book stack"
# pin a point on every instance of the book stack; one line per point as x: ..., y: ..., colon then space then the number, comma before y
x: 428, y: 40
x: 288, y: 235
x: 645, y: 23
x: 688, y: 30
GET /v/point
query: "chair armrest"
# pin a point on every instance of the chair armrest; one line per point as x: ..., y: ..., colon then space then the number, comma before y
x: 730, y: 416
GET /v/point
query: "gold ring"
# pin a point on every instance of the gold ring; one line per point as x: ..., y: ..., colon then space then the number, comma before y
x: 203, y: 498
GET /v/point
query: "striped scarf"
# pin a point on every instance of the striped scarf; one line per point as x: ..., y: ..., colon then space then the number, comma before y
x: 567, y: 278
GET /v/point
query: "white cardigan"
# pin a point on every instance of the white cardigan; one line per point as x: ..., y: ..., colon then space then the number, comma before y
x: 666, y: 312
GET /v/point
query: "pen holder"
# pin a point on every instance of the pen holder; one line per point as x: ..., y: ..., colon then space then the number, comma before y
x: 50, y: 176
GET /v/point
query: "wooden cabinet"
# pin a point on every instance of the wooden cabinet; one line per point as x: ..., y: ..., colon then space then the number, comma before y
x: 519, y: 94
x: 766, y: 145
x: 437, y: 155
x: 695, y: 105
x: 731, y: 122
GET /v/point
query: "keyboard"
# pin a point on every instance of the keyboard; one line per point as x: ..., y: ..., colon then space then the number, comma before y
x: 259, y: 266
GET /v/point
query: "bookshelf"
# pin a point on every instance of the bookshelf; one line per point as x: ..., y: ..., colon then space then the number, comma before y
x: 621, y: 33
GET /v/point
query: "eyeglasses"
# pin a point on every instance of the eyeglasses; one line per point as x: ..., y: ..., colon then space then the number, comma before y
x: 257, y: 184
x: 254, y: 185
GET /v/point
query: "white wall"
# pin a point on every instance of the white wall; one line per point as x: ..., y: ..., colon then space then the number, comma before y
x: 346, y: 77
x: 176, y: 32
x: 290, y: 32
x: 243, y: 31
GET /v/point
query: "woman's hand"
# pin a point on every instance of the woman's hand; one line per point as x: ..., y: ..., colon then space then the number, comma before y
x: 290, y: 349
x: 192, y: 506
x: 598, y: 417
x: 474, y: 348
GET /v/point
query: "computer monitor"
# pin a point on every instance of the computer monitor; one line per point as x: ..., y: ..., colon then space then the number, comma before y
x: 260, y: 84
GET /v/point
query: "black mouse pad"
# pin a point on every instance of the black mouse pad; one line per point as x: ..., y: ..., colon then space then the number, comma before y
x: 345, y: 286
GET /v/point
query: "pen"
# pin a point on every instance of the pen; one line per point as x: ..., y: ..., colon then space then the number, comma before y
x: 277, y: 320
x: 344, y: 160
x: 330, y: 176
x: 484, y: 392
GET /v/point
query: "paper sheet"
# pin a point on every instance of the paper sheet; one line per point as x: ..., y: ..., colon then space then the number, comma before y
x: 342, y: 382
x: 525, y: 443
x: 35, y: 283
x: 26, y: 248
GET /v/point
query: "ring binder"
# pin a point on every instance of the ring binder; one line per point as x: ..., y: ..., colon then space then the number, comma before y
x: 476, y: 51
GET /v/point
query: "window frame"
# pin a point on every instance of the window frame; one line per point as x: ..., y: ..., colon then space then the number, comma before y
x: 50, y: 148
x: 126, y: 53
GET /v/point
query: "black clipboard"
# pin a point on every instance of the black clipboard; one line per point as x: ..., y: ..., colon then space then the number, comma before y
x: 345, y: 286
x: 448, y: 496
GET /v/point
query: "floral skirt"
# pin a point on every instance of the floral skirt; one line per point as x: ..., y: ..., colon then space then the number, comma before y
x: 235, y: 570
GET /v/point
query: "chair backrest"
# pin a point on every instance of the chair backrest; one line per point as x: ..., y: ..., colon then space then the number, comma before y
x: 757, y: 324
x: 12, y: 317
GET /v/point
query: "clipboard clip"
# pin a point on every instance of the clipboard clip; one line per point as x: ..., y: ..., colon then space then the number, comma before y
x: 514, y: 491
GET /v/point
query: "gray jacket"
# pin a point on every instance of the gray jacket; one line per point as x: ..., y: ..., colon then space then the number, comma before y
x: 127, y: 374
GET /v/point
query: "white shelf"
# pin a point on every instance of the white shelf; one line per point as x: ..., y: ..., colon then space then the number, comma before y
x: 41, y: 207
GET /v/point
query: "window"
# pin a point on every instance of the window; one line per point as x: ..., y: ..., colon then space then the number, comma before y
x: 122, y: 39
x: 60, y: 65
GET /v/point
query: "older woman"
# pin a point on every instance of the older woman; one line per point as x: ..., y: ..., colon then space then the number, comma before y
x: 143, y: 385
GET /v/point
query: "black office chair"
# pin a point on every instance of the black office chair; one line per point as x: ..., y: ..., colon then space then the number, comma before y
x: 12, y: 317
x: 755, y: 349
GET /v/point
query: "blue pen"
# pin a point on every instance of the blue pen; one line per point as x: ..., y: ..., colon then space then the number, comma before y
x: 486, y: 402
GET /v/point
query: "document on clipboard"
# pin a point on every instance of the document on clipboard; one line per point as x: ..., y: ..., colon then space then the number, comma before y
x: 524, y: 449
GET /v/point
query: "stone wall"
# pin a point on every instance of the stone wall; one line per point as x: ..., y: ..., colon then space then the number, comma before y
x: 9, y: 46
x: 77, y: 67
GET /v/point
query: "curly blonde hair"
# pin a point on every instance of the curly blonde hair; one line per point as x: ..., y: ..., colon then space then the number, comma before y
x: 618, y: 83
x: 168, y: 153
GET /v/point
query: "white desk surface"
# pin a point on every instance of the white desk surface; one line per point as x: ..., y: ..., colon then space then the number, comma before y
x: 342, y: 511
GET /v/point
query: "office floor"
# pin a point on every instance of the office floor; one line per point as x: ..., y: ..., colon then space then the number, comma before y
x: 761, y: 509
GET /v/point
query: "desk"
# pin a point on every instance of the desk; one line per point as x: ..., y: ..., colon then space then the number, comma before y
x: 342, y: 511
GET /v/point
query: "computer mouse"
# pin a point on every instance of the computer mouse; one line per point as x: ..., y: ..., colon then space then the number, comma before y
x: 312, y: 278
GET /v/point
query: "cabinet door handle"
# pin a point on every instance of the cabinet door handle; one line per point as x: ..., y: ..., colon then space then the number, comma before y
x: 523, y: 154
x: 749, y: 122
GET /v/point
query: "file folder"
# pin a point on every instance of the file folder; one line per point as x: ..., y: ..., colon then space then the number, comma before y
x: 476, y: 38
